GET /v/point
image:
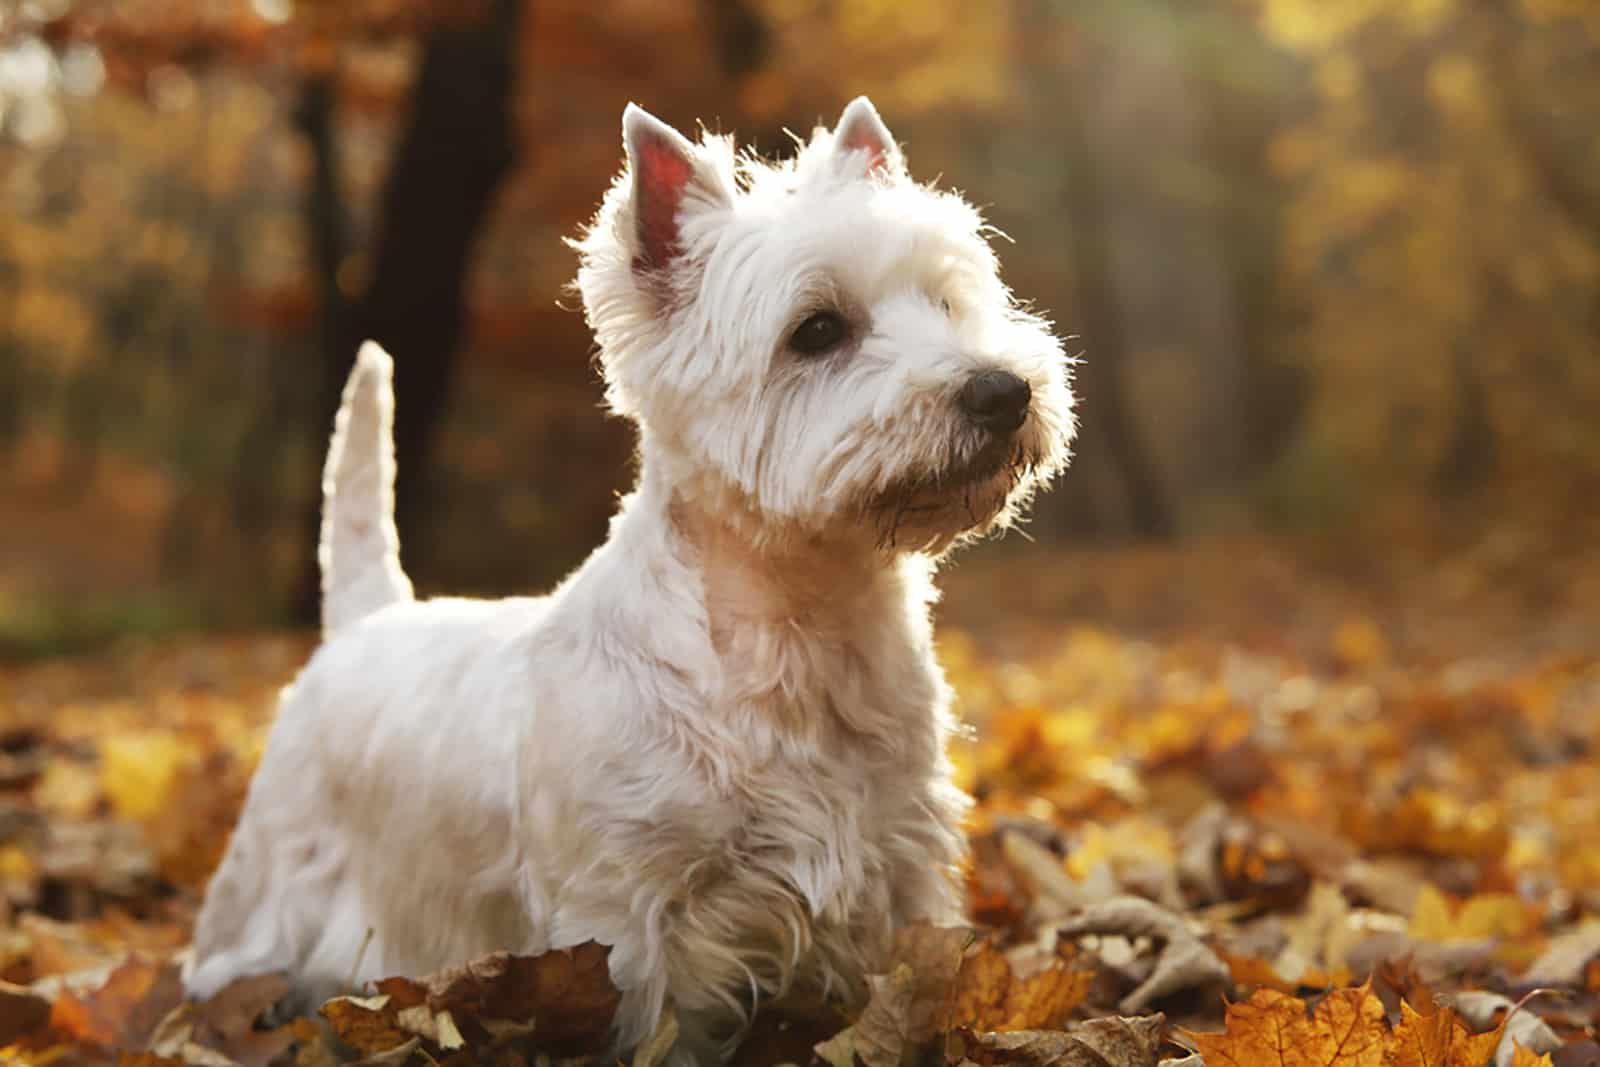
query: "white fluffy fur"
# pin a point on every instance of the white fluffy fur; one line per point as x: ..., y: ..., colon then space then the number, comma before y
x: 719, y: 746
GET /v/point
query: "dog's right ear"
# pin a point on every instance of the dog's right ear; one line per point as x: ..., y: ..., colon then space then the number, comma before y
x: 666, y: 173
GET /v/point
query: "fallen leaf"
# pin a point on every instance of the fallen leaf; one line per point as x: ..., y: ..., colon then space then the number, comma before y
x: 1438, y: 1040
x: 1183, y: 961
x: 1526, y: 1057
x: 1054, y: 892
x: 1199, y: 846
x: 22, y: 1011
x: 1513, y: 1024
x: 987, y: 995
x: 1319, y: 939
x: 229, y: 1023
x: 564, y: 998
x: 1272, y: 1029
x: 125, y: 1010
x: 395, y: 1057
x: 1110, y: 1042
x: 364, y: 1024
x: 884, y: 1036
x: 137, y: 769
x: 565, y: 994
x: 1566, y: 959
x: 1484, y: 916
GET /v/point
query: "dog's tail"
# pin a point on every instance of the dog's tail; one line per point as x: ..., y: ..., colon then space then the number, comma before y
x: 360, y: 548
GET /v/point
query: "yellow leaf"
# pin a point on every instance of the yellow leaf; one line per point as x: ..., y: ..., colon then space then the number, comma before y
x: 1359, y: 643
x: 67, y: 789
x: 137, y: 769
x: 1486, y: 915
x: 1526, y: 1057
x: 16, y: 863
x: 1431, y: 918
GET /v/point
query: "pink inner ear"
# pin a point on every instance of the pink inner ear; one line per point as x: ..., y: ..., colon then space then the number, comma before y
x: 662, y: 174
x: 861, y: 135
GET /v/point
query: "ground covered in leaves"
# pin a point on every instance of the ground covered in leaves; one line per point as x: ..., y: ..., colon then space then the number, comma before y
x: 1234, y: 807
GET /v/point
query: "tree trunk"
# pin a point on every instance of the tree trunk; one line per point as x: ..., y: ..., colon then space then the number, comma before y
x: 1272, y: 390
x: 1104, y: 399
x: 455, y: 148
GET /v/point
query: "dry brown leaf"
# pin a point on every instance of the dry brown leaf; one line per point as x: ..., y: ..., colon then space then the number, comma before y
x: 932, y: 958
x: 1566, y: 959
x: 941, y: 980
x: 564, y: 997
x: 565, y: 994
x: 228, y: 1023
x: 885, y: 1035
x: 395, y: 1057
x: 1183, y: 961
x: 366, y: 1024
x: 22, y: 1012
x: 125, y: 1010
x: 1272, y: 1029
x: 1054, y: 892
x: 1111, y: 1042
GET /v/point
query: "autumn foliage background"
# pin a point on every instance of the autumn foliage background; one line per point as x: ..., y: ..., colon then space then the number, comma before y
x: 1302, y: 650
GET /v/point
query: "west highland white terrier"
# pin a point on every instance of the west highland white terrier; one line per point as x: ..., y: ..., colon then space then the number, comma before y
x: 719, y: 746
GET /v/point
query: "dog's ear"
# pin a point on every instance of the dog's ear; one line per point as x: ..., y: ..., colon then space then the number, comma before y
x: 861, y: 130
x: 665, y: 171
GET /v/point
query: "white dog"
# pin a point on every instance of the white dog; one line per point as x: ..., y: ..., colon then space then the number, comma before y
x: 719, y: 746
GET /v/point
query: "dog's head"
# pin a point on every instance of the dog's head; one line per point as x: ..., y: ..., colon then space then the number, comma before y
x: 824, y: 341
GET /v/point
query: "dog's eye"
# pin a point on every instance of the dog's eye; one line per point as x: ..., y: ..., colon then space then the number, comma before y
x: 944, y: 305
x: 821, y: 332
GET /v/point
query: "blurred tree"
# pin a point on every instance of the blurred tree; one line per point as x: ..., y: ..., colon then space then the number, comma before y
x: 1239, y: 82
x: 1329, y: 259
x: 457, y: 144
x: 1444, y: 230
x: 1105, y: 402
x: 12, y: 375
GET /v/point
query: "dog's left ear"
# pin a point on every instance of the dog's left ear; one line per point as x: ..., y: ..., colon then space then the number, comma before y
x: 667, y: 174
x: 860, y: 129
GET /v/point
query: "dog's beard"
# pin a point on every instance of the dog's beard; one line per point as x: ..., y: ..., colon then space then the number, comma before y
x: 930, y: 510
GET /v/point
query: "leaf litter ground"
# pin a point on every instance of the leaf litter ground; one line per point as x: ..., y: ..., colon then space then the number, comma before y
x: 1233, y: 809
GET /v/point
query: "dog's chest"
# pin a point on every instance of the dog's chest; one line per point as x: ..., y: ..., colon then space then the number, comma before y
x: 855, y: 682
x: 805, y: 877
x: 836, y: 736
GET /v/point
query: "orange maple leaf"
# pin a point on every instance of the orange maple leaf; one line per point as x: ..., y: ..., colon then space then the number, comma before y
x: 1272, y: 1029
x: 1439, y: 1040
x: 989, y: 996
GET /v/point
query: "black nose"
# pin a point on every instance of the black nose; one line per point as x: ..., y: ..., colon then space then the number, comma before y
x: 996, y: 400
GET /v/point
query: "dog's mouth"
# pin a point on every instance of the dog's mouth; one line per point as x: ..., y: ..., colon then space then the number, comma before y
x: 953, y: 500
